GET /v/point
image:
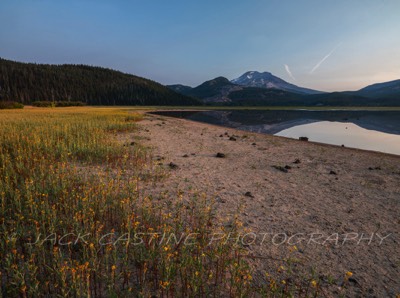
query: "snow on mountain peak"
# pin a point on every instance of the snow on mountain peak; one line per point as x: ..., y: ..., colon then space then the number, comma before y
x: 268, y: 80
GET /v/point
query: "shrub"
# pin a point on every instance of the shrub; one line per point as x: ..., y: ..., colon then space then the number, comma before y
x: 10, y: 105
x: 49, y: 104
x: 43, y: 104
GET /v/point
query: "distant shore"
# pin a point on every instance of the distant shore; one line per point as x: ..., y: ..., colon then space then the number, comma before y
x: 289, y: 187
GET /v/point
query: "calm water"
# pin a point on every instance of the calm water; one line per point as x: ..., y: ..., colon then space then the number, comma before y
x: 371, y: 130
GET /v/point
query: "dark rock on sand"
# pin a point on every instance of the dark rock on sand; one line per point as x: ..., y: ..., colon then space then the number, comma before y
x: 173, y: 166
x: 220, y: 200
x: 375, y: 168
x: 249, y: 194
x: 280, y: 168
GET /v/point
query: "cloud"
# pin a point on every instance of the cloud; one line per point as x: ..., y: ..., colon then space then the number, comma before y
x: 323, y: 59
x: 289, y: 72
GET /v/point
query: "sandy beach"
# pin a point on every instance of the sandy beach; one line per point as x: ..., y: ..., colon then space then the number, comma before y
x: 333, y: 209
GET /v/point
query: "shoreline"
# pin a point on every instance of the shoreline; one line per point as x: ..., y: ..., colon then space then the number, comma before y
x: 331, y: 190
x: 263, y: 134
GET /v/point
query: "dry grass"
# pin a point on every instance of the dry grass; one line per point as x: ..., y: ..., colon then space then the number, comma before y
x: 73, y: 221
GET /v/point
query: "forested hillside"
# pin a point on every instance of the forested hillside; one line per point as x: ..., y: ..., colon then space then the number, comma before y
x: 29, y: 82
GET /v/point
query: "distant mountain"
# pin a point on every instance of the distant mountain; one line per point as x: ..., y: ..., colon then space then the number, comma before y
x: 269, y: 81
x: 222, y: 91
x: 381, y: 90
x: 28, y: 82
x: 213, y: 91
x: 182, y: 89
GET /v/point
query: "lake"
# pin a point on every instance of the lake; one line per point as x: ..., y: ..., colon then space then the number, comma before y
x: 369, y: 130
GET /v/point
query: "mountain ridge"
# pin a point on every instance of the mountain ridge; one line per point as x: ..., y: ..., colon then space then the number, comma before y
x: 222, y: 91
x: 384, y: 89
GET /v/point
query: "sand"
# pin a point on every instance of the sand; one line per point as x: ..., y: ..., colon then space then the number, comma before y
x: 338, y: 206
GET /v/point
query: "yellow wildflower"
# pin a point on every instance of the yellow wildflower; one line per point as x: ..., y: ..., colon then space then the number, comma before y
x: 314, y: 283
x: 349, y: 274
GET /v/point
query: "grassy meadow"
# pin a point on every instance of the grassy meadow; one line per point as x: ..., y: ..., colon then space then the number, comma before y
x: 74, y: 220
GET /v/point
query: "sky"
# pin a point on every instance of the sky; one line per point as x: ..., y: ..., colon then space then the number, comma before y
x: 325, y: 45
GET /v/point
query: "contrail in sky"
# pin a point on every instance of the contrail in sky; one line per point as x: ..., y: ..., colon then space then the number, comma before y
x: 289, y: 72
x: 323, y: 59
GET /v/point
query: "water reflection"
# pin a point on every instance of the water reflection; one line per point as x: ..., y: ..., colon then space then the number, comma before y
x: 348, y: 134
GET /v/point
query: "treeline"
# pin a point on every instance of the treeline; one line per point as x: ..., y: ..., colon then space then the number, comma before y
x: 27, y: 83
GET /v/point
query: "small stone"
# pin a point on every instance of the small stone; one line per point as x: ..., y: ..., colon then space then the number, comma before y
x: 220, y: 200
x: 353, y: 280
x: 297, y: 161
x: 332, y: 173
x: 254, y: 144
x: 232, y: 139
x: 376, y: 168
x: 221, y: 136
x: 249, y: 194
x: 288, y: 167
x: 220, y: 155
x: 173, y: 166
x: 185, y: 155
x: 305, y: 139
x: 280, y: 168
x: 133, y: 143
